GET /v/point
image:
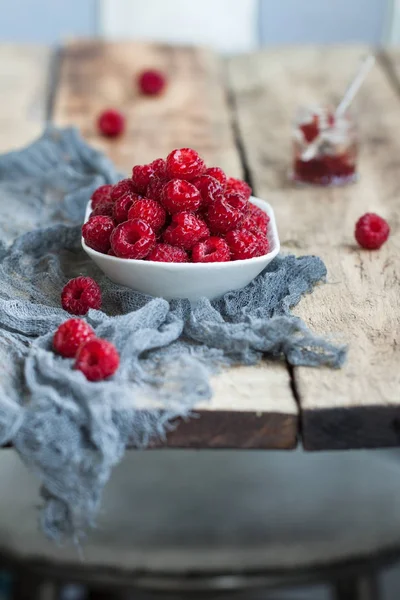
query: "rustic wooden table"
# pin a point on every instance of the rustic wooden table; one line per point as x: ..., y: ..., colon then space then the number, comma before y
x: 237, y: 113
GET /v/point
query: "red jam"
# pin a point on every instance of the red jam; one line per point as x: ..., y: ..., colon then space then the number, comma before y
x: 325, y: 148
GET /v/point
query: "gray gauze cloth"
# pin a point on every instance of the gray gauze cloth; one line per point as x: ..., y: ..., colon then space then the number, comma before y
x: 70, y: 431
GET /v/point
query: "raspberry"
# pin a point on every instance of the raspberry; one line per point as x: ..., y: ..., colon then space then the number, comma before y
x: 70, y: 335
x: 218, y: 174
x: 258, y: 217
x: 122, y: 206
x: 178, y: 196
x: 371, y: 231
x: 237, y: 185
x: 80, y: 294
x: 111, y: 123
x: 226, y: 213
x: 97, y: 359
x: 151, y: 82
x: 155, y: 188
x: 263, y: 244
x: 184, y: 163
x: 209, y: 188
x: 150, y: 211
x: 168, y: 253
x: 185, y: 230
x: 159, y: 167
x: 214, y: 249
x: 141, y: 176
x: 133, y: 239
x: 104, y: 208
x: 310, y: 130
x: 96, y: 233
x: 243, y: 244
x: 101, y: 194
x: 121, y: 188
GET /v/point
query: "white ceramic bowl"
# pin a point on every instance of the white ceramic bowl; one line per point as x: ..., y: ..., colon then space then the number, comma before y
x: 186, y: 280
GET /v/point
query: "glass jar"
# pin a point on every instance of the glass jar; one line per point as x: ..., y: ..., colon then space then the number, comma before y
x: 325, y: 147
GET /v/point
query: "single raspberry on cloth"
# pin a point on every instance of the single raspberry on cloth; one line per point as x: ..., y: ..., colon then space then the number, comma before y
x: 210, y: 189
x: 152, y: 82
x: 80, y: 294
x: 150, y: 211
x: 185, y: 231
x: 70, y: 336
x: 97, y: 359
x: 133, y: 239
x: 227, y: 212
x: 214, y: 249
x: 97, y: 231
x: 179, y: 195
x: 103, y: 193
x: 111, y: 123
x: 168, y: 253
x: 243, y: 244
x: 371, y: 231
x: 237, y: 185
x: 184, y: 163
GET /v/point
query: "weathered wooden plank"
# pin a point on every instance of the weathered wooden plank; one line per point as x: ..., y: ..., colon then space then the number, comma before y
x: 24, y: 72
x: 251, y: 407
x: 358, y: 406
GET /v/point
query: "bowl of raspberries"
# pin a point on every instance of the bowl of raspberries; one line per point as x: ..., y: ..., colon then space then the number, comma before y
x: 177, y: 229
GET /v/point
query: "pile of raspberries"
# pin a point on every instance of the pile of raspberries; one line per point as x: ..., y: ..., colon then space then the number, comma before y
x: 177, y: 210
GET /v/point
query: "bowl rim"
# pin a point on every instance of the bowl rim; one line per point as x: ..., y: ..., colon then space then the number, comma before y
x: 152, y: 264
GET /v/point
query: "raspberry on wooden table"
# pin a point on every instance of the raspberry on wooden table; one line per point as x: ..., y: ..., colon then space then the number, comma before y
x: 237, y: 185
x: 122, y: 187
x: 97, y: 231
x: 218, y: 174
x: 122, y: 206
x: 243, y: 244
x: 105, y: 208
x: 80, y: 294
x: 97, y: 359
x: 70, y: 336
x: 111, y: 123
x: 210, y: 189
x: 371, y: 231
x: 133, y: 239
x: 168, y: 253
x: 179, y: 195
x: 103, y: 193
x: 151, y: 82
x: 226, y: 213
x: 185, y: 231
x: 150, y: 211
x: 184, y: 163
x: 214, y: 249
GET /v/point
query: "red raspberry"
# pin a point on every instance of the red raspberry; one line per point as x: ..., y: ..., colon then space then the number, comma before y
x: 371, y: 231
x: 151, y: 82
x: 263, y: 244
x: 225, y: 214
x: 80, y: 294
x: 122, y: 187
x: 178, y: 196
x: 150, y: 211
x: 258, y: 217
x: 122, y: 206
x: 184, y: 163
x: 209, y: 188
x: 243, y: 244
x: 111, y: 123
x: 141, y: 176
x: 133, y: 239
x: 185, y: 230
x: 159, y: 167
x: 70, y: 335
x: 310, y: 130
x: 237, y: 185
x: 97, y: 359
x: 167, y: 253
x: 214, y: 249
x: 104, y: 208
x: 97, y: 231
x: 218, y: 174
x: 101, y: 194
x: 155, y: 188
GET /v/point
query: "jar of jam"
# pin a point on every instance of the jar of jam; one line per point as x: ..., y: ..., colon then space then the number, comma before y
x: 325, y: 147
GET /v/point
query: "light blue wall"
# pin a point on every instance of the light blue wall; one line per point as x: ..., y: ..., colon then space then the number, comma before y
x: 46, y: 21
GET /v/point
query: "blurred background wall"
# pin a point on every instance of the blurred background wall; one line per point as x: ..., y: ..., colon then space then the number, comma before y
x: 230, y: 25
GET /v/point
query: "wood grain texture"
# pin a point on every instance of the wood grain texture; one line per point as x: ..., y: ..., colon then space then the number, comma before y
x: 192, y: 112
x: 252, y: 407
x: 24, y: 72
x: 359, y: 405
